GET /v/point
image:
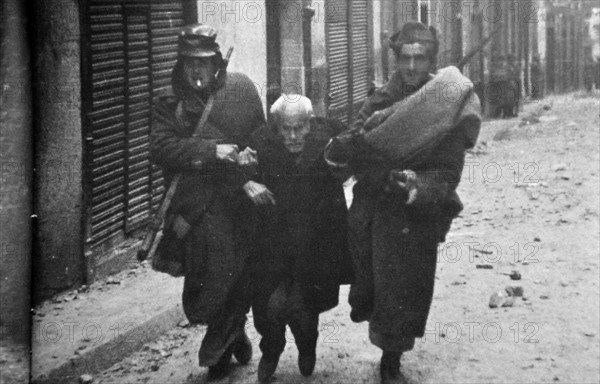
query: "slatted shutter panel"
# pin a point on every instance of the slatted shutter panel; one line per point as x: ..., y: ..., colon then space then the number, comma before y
x: 360, y: 54
x: 348, y: 57
x: 338, y: 57
x: 131, y: 53
x: 167, y: 18
x: 139, y: 102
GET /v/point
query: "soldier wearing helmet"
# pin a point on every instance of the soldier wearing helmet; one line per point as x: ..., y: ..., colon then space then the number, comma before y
x: 208, y: 229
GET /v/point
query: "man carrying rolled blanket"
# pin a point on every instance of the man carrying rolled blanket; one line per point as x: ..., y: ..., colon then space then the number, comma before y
x: 407, y: 151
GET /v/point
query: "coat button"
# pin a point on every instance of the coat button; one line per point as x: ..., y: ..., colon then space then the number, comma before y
x: 405, y: 231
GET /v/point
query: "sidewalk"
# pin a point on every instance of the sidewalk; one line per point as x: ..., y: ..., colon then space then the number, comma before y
x: 88, y: 330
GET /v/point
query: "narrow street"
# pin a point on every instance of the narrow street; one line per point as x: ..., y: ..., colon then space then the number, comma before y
x: 530, y: 190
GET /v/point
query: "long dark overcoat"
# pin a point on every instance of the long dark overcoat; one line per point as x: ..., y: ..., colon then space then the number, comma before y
x: 394, y: 245
x: 303, y: 238
x: 210, y: 195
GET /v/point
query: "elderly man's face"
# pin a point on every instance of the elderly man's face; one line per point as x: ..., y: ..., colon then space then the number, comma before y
x: 199, y: 72
x: 293, y: 129
x: 413, y: 64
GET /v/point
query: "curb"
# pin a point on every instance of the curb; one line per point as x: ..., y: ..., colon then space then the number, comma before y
x: 104, y: 355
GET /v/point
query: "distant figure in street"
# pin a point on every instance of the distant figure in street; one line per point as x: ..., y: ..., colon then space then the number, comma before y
x: 302, y: 247
x: 209, y: 227
x: 504, y: 92
x: 402, y: 209
x: 591, y: 70
x: 537, y: 78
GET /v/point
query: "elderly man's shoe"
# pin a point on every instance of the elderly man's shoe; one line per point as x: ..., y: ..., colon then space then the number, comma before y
x: 221, y: 369
x: 266, y: 368
x: 306, y: 363
x: 242, y: 350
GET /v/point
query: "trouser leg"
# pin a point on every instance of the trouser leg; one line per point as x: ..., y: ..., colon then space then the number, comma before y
x: 271, y: 330
x: 305, y: 328
x: 227, y: 326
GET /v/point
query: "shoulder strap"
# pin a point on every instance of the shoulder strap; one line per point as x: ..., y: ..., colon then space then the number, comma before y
x: 205, y: 113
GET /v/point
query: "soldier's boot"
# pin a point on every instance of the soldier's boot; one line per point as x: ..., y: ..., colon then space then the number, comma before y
x: 221, y: 369
x: 242, y: 349
x: 267, y: 367
x: 389, y: 368
x: 306, y: 363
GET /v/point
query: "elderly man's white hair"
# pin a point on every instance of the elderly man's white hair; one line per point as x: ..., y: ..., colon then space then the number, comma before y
x: 292, y: 104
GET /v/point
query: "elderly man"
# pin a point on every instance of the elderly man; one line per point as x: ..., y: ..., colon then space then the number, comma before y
x: 402, y: 209
x: 199, y: 126
x: 302, y: 244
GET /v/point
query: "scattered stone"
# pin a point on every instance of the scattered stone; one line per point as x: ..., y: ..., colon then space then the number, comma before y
x: 183, y: 323
x: 112, y: 280
x: 544, y: 297
x: 82, y: 347
x: 509, y: 302
x: 154, y: 367
x: 589, y: 334
x: 116, y: 367
x: 515, y: 275
x: 537, y: 239
x: 497, y: 299
x: 563, y: 284
x: 514, y: 290
x: 559, y: 167
x: 341, y: 356
x: 484, y: 266
x: 86, y: 379
x: 459, y: 282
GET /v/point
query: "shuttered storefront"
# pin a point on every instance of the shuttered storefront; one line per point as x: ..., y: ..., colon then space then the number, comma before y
x: 348, y: 50
x: 130, y: 51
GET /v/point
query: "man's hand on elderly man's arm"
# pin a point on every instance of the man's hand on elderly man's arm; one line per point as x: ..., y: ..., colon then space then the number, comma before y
x: 227, y: 152
x: 404, y: 183
x: 248, y: 157
x: 259, y: 193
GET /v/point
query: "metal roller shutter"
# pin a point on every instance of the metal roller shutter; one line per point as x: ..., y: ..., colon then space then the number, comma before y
x: 348, y: 57
x: 360, y: 53
x: 338, y: 57
x: 131, y: 51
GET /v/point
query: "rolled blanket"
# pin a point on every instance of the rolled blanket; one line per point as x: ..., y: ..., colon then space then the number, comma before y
x: 421, y: 121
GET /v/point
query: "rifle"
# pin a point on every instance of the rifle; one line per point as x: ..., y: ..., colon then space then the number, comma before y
x: 156, y: 226
x: 476, y: 49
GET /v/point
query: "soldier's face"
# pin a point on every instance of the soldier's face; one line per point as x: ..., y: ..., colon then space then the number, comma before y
x: 293, y: 129
x: 413, y: 64
x: 199, y: 72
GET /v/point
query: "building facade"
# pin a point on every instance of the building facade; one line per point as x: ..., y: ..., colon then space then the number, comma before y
x: 99, y: 63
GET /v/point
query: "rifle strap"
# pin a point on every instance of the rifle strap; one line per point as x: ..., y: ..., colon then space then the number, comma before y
x: 204, y: 117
